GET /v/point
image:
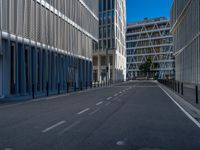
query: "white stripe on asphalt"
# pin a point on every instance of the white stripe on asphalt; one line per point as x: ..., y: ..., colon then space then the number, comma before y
x: 116, y: 95
x: 184, y: 111
x: 53, y: 126
x: 109, y: 98
x: 99, y: 103
x: 97, y: 110
x: 83, y: 111
x: 69, y: 127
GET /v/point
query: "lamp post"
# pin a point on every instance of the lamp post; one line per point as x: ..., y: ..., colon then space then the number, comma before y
x: 107, y: 66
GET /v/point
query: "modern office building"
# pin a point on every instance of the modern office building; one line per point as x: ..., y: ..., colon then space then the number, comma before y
x: 150, y: 38
x: 46, y: 44
x: 185, y: 20
x: 109, y: 59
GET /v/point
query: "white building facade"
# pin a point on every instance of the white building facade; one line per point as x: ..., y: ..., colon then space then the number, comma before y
x: 109, y: 58
x: 150, y: 38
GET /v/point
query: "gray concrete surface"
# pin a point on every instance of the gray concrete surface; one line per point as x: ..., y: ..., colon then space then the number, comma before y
x: 131, y: 116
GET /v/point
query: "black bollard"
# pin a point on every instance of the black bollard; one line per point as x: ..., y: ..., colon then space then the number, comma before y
x: 33, y: 91
x: 47, y: 89
x: 58, y: 88
x: 75, y: 86
x: 67, y: 87
x: 197, y: 95
x: 182, y: 89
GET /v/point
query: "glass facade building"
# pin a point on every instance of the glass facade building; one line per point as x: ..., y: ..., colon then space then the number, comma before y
x: 185, y: 20
x: 46, y: 44
x: 150, y: 38
x: 110, y: 55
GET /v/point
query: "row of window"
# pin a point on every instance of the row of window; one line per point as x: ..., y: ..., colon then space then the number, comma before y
x: 102, y: 60
x: 148, y: 28
x: 35, y: 67
x: 149, y: 42
x: 150, y: 50
x: 106, y: 5
x: 161, y: 57
x: 106, y: 18
x: 148, y: 35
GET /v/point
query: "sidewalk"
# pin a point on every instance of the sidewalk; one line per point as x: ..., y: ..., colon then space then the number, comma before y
x: 188, y: 107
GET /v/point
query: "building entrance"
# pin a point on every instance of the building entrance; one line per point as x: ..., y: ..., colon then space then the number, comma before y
x: 1, y: 75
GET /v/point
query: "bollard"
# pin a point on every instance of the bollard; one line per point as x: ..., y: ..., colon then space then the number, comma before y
x: 197, y: 96
x: 178, y: 87
x: 67, y: 87
x: 181, y: 88
x: 58, y: 88
x: 86, y: 85
x: 75, y: 86
x: 33, y: 91
x: 47, y: 89
x: 175, y: 86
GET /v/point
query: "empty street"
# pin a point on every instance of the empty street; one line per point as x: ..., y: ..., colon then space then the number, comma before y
x: 128, y: 116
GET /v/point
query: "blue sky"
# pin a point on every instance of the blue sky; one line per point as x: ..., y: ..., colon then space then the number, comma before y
x: 139, y: 9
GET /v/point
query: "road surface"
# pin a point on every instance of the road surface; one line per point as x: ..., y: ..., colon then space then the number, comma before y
x: 128, y: 116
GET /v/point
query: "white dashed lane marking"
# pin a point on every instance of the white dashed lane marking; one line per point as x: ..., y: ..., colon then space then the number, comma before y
x: 109, y: 98
x: 53, y: 126
x: 95, y: 111
x: 83, y: 111
x: 69, y: 127
x: 99, y: 103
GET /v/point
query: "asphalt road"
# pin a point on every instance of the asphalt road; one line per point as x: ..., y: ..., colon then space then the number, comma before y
x: 130, y: 116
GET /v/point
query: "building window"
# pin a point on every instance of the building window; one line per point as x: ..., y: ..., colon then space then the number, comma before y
x: 95, y: 60
x: 103, y: 60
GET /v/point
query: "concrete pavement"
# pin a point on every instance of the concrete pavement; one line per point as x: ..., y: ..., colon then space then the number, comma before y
x: 130, y: 116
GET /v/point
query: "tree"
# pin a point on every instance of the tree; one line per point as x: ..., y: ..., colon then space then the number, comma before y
x: 146, y: 67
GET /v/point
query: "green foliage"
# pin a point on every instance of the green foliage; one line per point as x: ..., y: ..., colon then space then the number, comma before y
x: 146, y: 67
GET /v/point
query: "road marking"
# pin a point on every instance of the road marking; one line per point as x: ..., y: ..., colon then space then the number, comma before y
x: 115, y: 95
x: 69, y: 127
x: 184, y: 111
x: 108, y: 103
x: 109, y: 98
x: 83, y: 111
x: 53, y: 126
x: 99, y: 103
x: 97, y: 110
x: 7, y: 149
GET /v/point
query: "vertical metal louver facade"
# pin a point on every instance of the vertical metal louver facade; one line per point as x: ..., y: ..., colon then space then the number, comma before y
x: 185, y: 20
x: 46, y: 41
